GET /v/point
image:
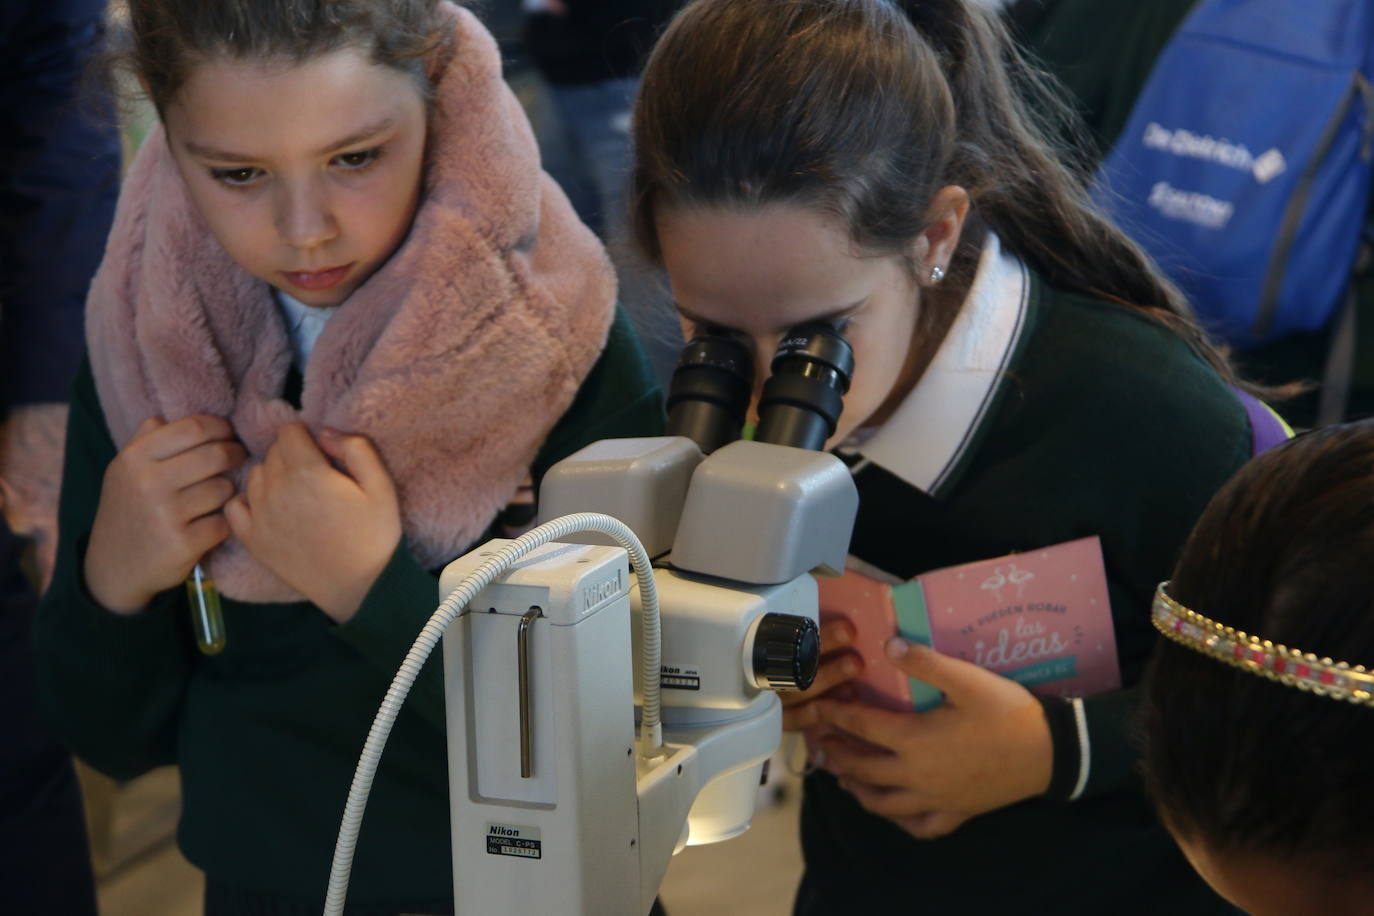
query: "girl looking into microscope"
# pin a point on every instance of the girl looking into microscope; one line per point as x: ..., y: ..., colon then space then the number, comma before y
x: 1026, y: 378
x: 342, y: 314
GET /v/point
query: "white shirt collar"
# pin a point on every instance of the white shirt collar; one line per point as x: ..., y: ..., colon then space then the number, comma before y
x: 925, y: 438
x: 304, y: 324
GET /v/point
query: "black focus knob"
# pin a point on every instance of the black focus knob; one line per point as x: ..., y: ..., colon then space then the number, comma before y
x: 787, y: 651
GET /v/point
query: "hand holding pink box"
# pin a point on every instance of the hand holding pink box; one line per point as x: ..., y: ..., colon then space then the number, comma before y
x: 1041, y: 618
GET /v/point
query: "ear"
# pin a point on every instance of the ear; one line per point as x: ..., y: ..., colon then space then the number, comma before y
x: 936, y: 244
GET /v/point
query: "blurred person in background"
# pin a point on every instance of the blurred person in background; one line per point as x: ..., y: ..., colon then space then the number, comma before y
x: 1102, y: 53
x: 589, y: 54
x: 59, y: 172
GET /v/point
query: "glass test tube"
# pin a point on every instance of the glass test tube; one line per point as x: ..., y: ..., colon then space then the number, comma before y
x: 206, y: 618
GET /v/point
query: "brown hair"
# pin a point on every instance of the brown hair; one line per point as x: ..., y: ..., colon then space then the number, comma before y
x: 864, y: 109
x: 1235, y: 761
x: 168, y: 37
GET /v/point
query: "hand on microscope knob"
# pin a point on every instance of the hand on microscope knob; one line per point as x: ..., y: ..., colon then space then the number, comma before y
x: 323, y: 516
x: 985, y: 747
x: 839, y: 665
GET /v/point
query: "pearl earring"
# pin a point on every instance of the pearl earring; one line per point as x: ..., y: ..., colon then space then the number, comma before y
x: 937, y: 274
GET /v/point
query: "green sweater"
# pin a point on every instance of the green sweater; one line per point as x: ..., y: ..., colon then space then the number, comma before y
x: 1103, y: 423
x: 267, y: 733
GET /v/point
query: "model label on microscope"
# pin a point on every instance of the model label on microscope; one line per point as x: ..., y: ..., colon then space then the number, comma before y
x: 514, y: 840
x: 680, y: 677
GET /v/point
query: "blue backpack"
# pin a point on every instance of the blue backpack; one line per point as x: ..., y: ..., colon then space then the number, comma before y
x: 1245, y: 168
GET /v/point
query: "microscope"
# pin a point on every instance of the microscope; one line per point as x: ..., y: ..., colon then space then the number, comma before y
x: 557, y: 807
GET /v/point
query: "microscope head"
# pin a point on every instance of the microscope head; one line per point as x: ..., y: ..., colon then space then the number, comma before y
x: 764, y: 514
x: 758, y: 512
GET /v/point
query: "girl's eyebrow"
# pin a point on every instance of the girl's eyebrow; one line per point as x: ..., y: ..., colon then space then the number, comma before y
x: 838, y: 314
x: 359, y: 136
x: 352, y: 139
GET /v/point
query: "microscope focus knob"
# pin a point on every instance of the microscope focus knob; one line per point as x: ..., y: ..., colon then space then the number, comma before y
x: 787, y: 651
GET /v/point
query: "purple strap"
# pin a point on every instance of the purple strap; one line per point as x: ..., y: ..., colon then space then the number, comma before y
x: 1266, y: 429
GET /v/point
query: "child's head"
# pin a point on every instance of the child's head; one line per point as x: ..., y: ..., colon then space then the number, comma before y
x: 1266, y: 786
x: 888, y: 137
x: 299, y: 127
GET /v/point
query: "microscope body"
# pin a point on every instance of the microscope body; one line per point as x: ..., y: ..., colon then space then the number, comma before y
x: 541, y: 768
x: 555, y: 808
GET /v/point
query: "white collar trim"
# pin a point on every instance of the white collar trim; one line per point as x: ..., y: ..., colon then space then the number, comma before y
x: 930, y: 432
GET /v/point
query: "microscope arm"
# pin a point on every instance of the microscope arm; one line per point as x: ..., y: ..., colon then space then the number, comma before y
x: 694, y: 794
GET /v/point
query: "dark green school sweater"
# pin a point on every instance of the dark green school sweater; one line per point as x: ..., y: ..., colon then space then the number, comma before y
x: 1101, y: 422
x: 267, y: 733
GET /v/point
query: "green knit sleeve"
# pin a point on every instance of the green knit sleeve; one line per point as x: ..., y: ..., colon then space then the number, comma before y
x: 1145, y: 450
x: 110, y: 686
x: 392, y: 614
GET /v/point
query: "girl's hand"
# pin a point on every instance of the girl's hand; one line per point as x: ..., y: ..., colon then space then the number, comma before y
x: 327, y: 533
x: 838, y: 666
x: 987, y: 746
x: 159, y: 510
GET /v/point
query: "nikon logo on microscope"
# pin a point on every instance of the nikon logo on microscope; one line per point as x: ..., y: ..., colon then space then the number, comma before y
x: 593, y: 595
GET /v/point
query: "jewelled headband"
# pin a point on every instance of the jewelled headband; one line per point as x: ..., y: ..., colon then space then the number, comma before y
x: 1322, y: 676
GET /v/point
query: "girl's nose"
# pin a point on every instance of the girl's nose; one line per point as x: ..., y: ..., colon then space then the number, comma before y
x: 304, y: 218
x: 764, y: 348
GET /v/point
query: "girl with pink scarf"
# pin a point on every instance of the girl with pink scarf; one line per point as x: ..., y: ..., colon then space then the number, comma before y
x: 341, y: 317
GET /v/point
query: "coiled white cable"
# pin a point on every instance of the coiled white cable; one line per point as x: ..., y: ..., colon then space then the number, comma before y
x: 651, y: 727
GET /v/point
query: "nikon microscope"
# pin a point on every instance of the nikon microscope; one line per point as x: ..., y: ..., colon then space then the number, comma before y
x: 611, y: 676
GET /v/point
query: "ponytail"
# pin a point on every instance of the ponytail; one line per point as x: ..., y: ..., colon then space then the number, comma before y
x: 1022, y: 190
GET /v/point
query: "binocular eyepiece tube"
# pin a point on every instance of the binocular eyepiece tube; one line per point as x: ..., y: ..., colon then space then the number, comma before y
x: 801, y: 400
x: 709, y: 393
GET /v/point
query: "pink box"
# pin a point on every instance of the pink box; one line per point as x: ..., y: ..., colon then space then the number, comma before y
x: 1041, y: 618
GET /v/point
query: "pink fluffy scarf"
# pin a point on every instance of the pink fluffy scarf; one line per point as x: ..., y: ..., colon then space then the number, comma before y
x: 455, y: 358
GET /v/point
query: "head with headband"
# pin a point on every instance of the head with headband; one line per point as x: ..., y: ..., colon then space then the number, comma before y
x: 1259, y: 706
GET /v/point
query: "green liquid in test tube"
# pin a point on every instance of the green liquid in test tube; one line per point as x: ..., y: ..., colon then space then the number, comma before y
x: 206, y: 617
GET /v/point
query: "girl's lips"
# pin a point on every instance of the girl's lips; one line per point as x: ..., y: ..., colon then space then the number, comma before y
x: 316, y: 280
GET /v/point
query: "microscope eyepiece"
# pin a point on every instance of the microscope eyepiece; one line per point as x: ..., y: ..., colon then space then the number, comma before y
x: 802, y: 399
x: 710, y: 390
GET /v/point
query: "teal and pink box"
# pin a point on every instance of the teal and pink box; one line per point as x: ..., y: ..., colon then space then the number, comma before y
x: 1042, y: 618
